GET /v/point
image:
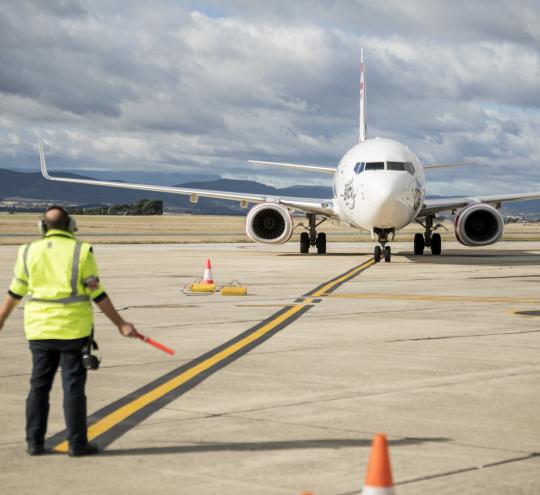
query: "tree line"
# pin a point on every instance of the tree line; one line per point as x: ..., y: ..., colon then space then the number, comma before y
x: 141, y: 207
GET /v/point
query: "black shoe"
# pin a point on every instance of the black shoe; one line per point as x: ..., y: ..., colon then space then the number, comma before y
x: 84, y: 449
x: 35, y: 449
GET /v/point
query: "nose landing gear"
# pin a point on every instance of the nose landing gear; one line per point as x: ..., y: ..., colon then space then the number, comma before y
x: 311, y: 238
x: 383, y: 250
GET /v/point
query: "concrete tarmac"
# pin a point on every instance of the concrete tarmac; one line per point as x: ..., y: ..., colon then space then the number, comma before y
x: 441, y: 353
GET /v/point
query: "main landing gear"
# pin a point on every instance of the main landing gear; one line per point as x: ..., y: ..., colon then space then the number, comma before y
x: 383, y: 250
x: 311, y: 238
x: 428, y: 239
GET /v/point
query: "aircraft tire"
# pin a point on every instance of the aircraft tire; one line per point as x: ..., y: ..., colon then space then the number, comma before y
x: 436, y: 244
x: 321, y: 243
x: 377, y: 254
x: 419, y: 244
x: 304, y: 243
x: 387, y: 254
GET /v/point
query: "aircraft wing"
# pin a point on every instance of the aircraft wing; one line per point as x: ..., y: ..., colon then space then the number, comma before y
x: 431, y: 166
x: 308, y: 168
x: 432, y: 206
x: 309, y: 205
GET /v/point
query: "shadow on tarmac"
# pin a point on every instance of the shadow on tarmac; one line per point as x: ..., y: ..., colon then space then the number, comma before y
x: 514, y: 258
x: 326, y: 443
x: 493, y: 258
x: 302, y: 255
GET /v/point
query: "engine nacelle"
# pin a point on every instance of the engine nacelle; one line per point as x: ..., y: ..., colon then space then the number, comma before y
x: 269, y: 223
x: 479, y: 225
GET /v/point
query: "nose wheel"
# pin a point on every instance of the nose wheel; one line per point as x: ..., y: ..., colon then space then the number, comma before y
x: 383, y: 251
x: 377, y: 254
x: 387, y: 254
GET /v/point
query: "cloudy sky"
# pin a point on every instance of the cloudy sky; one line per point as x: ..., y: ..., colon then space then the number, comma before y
x: 189, y: 86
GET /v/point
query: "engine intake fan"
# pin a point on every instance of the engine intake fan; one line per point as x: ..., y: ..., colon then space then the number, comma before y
x: 479, y: 225
x: 269, y: 223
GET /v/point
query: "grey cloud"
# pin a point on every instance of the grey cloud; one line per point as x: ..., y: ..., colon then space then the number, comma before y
x: 207, y: 85
x: 458, y: 21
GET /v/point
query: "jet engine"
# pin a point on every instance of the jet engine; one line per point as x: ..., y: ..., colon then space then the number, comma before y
x: 269, y: 223
x: 479, y: 225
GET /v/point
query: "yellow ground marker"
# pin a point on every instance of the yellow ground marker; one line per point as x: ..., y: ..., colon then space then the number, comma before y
x: 202, y: 287
x: 234, y: 291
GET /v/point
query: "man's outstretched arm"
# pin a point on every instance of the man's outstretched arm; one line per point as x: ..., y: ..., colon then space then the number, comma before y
x: 10, y: 303
x: 125, y: 328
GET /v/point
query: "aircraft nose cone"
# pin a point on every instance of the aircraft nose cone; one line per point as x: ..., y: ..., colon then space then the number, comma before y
x: 385, y: 203
x: 383, y: 191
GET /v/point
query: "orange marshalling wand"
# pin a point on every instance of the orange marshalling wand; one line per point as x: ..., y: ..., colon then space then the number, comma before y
x: 379, y: 473
x: 156, y: 344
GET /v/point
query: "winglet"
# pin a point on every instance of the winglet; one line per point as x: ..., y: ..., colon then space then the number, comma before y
x: 42, y: 161
x: 362, y: 131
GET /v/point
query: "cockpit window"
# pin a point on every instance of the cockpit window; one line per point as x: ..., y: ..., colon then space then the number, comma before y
x: 409, y: 167
x: 395, y: 166
x: 359, y: 167
x: 374, y: 166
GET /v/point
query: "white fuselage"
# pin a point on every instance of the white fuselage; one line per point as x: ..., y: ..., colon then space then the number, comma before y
x: 370, y: 193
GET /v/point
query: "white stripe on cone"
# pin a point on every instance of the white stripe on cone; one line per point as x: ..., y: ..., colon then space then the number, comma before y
x: 378, y: 490
x: 207, y: 277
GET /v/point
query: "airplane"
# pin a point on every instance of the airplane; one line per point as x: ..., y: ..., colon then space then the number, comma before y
x: 378, y: 186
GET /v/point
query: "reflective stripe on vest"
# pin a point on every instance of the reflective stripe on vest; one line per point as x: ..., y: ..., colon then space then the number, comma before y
x: 25, y: 260
x: 75, y: 268
x: 65, y: 300
x: 73, y: 298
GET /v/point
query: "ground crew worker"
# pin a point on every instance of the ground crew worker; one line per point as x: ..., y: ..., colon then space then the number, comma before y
x: 58, y: 275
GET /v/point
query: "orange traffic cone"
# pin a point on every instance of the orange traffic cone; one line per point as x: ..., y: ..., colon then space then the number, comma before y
x: 379, y: 473
x: 207, y: 277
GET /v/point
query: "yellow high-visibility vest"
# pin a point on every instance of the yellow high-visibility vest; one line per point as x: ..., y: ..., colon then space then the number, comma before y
x: 59, y: 277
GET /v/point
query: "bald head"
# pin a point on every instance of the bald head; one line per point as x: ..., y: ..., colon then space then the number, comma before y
x: 56, y: 218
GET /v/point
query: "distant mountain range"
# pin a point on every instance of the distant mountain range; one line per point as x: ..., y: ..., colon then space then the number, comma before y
x: 32, y: 186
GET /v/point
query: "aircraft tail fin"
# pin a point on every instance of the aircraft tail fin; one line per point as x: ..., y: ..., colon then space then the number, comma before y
x: 362, y: 132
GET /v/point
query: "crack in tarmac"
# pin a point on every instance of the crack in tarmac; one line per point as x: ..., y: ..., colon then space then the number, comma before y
x: 385, y: 392
x: 445, y: 337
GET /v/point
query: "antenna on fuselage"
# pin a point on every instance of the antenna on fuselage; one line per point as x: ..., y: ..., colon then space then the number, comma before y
x: 362, y: 132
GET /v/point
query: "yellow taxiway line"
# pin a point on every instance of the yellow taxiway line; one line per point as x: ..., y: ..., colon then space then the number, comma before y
x: 124, y: 412
x: 129, y: 409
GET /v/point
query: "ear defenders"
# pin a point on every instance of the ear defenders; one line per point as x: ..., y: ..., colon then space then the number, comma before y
x: 71, y: 227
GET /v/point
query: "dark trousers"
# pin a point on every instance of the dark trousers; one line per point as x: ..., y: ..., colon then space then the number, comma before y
x: 47, y: 355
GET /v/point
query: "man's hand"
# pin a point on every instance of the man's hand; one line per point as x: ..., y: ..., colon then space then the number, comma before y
x: 128, y: 329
